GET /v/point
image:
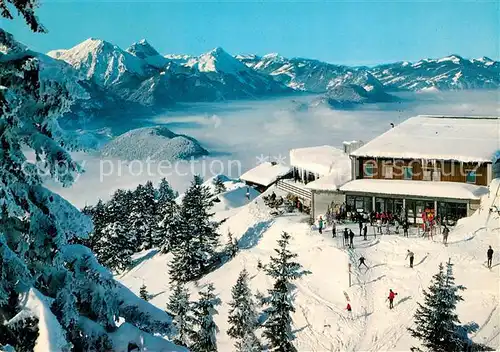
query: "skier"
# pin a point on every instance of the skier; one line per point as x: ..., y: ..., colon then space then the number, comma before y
x: 365, y: 230
x: 360, y: 225
x: 411, y: 255
x: 348, y: 308
x: 405, y: 229
x: 362, y: 262
x: 391, y: 297
x: 446, y: 231
x: 489, y: 254
x: 334, y: 230
x: 346, y: 236
x: 320, y: 223
x: 351, y: 238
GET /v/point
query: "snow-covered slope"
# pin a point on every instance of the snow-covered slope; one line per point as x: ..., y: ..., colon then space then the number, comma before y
x: 320, y: 321
x: 155, y: 143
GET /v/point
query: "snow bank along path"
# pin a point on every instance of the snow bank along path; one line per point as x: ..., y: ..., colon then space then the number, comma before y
x: 320, y: 321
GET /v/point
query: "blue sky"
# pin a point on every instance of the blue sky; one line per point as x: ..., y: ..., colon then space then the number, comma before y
x: 348, y: 32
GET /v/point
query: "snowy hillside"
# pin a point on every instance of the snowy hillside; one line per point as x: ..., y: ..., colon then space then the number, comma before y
x: 320, y: 321
x: 155, y: 143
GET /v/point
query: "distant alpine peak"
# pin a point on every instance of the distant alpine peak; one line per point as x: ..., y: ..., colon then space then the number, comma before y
x: 272, y: 56
x: 456, y: 59
x: 217, y: 60
x: 142, y: 49
x: 217, y: 51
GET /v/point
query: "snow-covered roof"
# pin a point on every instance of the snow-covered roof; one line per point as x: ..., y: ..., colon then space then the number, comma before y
x: 429, y: 189
x: 322, y: 160
x: 265, y: 174
x: 339, y: 176
x: 466, y: 139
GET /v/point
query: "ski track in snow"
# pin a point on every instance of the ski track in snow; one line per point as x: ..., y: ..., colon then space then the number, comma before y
x: 320, y: 322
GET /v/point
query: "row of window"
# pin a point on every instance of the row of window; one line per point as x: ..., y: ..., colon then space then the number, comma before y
x: 428, y: 175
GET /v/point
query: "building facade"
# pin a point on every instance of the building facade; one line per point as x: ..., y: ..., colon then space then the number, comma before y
x: 432, y: 164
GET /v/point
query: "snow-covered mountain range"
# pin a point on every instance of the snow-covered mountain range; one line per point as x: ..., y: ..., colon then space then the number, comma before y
x: 448, y: 73
x: 141, y: 76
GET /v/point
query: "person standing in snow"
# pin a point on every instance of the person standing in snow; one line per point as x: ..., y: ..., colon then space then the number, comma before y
x: 411, y: 256
x: 351, y: 239
x: 360, y: 225
x: 320, y: 224
x: 446, y: 231
x: 405, y: 229
x: 346, y: 236
x: 362, y: 262
x: 334, y: 229
x: 391, y: 297
x: 365, y: 230
x: 349, y: 309
x: 489, y: 254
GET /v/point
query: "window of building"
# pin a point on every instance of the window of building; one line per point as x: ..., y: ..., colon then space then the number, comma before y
x: 471, y: 176
x: 436, y: 175
x: 387, y: 171
x: 369, y: 169
x: 408, y: 172
x: 427, y: 174
x: 452, y: 211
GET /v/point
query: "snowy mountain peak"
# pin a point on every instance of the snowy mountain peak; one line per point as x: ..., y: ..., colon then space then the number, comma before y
x: 142, y: 49
x: 217, y: 60
x: 456, y: 59
x: 105, y: 62
x: 272, y: 56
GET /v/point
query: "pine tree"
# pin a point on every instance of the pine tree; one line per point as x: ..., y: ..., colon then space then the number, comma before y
x: 143, y: 216
x: 249, y: 343
x: 143, y: 292
x: 196, y: 235
x: 277, y: 328
x: 115, y: 247
x: 167, y: 217
x: 219, y: 185
x: 232, y: 246
x: 436, y: 323
x: 40, y: 232
x: 204, y: 337
x: 179, y: 307
x: 26, y: 9
x: 242, y: 314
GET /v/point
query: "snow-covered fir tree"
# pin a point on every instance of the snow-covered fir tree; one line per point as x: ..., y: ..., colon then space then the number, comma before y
x: 143, y: 292
x: 98, y: 214
x: 232, y: 246
x: 436, y: 322
x: 196, y: 235
x: 167, y: 216
x: 40, y: 259
x: 282, y: 268
x: 219, y: 185
x: 204, y: 335
x: 179, y: 307
x: 115, y: 247
x: 143, y: 220
x: 249, y: 343
x: 242, y: 314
